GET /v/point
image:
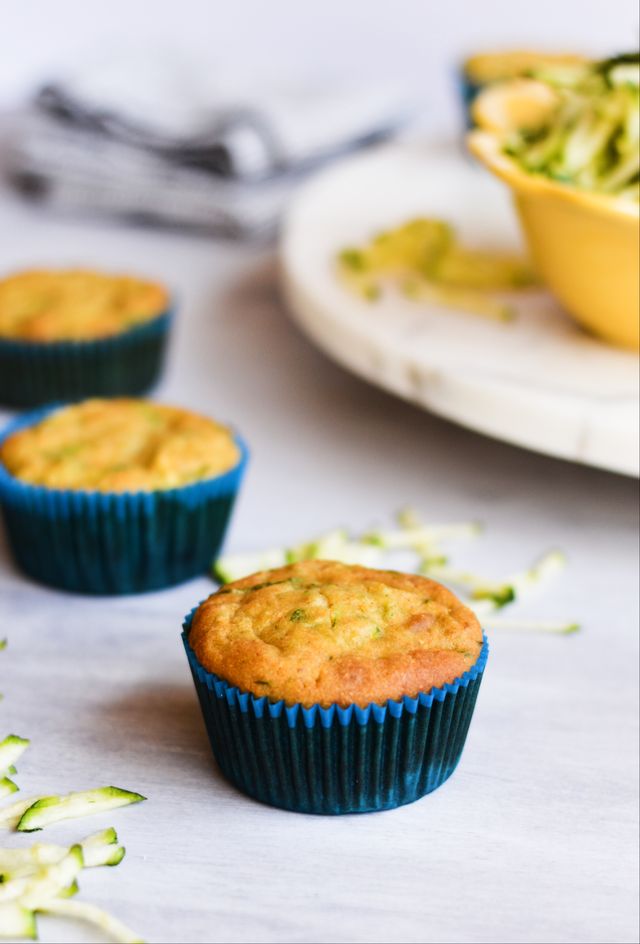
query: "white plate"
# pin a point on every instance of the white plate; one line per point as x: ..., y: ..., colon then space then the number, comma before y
x: 539, y: 382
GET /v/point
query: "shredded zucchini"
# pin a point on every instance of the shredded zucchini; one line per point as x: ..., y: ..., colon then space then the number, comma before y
x: 7, y: 787
x: 591, y: 138
x: 82, y: 911
x: 562, y: 628
x: 461, y: 299
x: 16, y: 921
x: 47, y: 882
x: 425, y: 544
x: 52, y: 809
x: 422, y: 538
x: 102, y: 849
x: 10, y: 815
x: 43, y: 877
x: 11, y: 749
x: 426, y: 262
x: 234, y: 566
x: 500, y: 593
x: 369, y: 550
x: 97, y: 850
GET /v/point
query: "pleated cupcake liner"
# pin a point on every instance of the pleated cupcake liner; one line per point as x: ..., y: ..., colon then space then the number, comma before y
x: 468, y: 90
x: 35, y: 373
x: 116, y: 543
x: 336, y: 760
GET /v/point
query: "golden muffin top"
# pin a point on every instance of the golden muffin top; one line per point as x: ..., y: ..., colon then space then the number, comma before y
x: 120, y: 445
x: 320, y: 632
x: 508, y: 64
x: 75, y: 304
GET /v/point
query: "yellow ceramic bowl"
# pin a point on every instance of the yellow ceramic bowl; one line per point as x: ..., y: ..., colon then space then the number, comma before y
x: 584, y: 245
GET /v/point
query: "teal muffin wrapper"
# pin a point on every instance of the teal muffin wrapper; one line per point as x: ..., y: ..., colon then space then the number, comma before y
x: 131, y: 542
x: 127, y: 364
x: 468, y: 90
x: 336, y: 760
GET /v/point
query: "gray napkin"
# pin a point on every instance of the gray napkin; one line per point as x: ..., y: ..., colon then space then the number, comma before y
x: 174, y: 145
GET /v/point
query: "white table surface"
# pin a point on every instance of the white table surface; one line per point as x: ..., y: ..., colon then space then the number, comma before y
x: 534, y: 837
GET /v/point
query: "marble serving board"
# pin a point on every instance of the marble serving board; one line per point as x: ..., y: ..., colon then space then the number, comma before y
x: 538, y: 381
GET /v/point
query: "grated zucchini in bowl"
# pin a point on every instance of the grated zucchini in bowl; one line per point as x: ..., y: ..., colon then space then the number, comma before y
x: 590, y: 139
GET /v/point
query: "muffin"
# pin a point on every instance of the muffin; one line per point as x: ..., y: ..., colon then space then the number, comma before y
x: 117, y: 496
x: 335, y: 688
x: 69, y: 334
x: 484, y: 69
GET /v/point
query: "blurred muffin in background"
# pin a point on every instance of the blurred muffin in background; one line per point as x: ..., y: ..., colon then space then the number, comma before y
x: 75, y: 304
x: 70, y: 333
x: 485, y: 68
x: 117, y: 496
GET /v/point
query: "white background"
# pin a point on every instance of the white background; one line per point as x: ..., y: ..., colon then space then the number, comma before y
x: 416, y: 40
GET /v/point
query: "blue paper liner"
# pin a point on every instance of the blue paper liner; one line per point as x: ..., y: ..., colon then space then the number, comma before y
x: 34, y: 373
x: 336, y: 760
x: 115, y: 543
x: 468, y: 90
